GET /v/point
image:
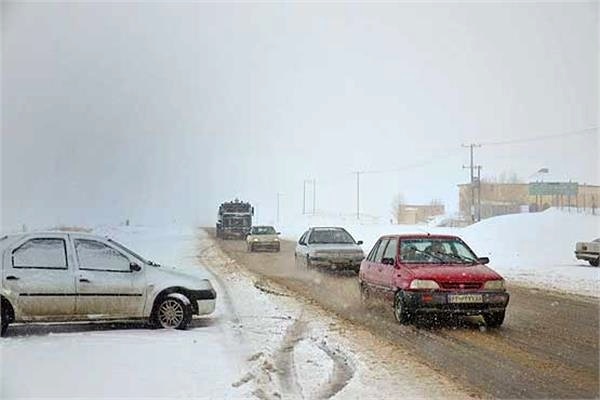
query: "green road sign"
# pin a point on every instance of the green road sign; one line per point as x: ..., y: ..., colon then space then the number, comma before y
x: 553, y: 188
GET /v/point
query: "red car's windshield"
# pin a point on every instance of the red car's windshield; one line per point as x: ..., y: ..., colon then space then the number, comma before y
x: 435, y: 251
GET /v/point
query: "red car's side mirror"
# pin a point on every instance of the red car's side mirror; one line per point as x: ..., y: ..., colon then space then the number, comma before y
x: 388, y: 261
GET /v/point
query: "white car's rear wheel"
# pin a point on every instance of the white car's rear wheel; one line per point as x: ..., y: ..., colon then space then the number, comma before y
x: 4, y: 317
x: 3, y: 324
x: 173, y: 313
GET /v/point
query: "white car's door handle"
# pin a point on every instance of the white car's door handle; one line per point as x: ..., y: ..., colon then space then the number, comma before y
x: 12, y: 278
x: 84, y: 280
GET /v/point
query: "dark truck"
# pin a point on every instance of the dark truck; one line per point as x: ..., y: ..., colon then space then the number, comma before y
x: 234, y: 219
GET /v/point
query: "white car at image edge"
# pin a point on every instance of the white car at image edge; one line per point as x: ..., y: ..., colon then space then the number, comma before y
x: 61, y: 277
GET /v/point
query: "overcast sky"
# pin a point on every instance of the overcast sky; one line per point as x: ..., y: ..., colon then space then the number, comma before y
x: 158, y: 112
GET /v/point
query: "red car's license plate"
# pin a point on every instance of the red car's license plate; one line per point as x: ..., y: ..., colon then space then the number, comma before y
x: 465, y: 298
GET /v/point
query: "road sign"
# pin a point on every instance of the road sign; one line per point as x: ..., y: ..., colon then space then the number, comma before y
x: 553, y: 188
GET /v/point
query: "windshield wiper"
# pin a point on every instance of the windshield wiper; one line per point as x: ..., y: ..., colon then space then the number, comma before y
x: 432, y: 255
x: 462, y: 258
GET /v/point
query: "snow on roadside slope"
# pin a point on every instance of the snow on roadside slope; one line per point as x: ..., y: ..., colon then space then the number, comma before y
x: 533, y: 249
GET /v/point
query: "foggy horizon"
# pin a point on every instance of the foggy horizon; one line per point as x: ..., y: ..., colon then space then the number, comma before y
x: 157, y: 113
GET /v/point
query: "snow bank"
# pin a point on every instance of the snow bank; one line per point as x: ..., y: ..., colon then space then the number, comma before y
x: 534, y: 249
x: 538, y: 248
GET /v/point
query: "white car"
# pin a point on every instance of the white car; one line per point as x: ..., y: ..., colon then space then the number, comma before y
x: 330, y: 247
x: 263, y: 237
x: 588, y: 251
x: 59, y: 276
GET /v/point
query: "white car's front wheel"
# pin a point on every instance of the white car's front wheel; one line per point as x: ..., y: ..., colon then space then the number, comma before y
x: 173, y: 313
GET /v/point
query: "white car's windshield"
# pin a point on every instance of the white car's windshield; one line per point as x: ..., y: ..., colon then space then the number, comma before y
x: 132, y: 253
x: 263, y: 230
x: 326, y: 236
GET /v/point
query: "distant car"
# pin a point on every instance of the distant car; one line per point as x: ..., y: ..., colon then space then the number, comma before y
x: 263, y: 237
x: 60, y: 276
x: 589, y: 251
x: 329, y: 247
x: 432, y: 274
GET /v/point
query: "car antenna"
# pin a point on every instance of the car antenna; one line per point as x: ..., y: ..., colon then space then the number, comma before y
x: 423, y: 230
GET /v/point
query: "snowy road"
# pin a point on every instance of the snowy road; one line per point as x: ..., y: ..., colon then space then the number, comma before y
x: 548, y: 347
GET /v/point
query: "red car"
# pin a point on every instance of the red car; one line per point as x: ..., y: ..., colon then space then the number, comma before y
x: 432, y: 274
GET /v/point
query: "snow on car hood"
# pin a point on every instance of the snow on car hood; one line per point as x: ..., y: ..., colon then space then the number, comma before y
x: 191, y: 276
x: 453, y: 272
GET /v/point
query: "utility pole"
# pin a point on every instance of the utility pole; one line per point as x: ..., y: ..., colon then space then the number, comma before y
x: 472, y: 168
x: 478, y: 193
x: 304, y: 197
x: 314, y: 182
x: 278, y: 196
x: 358, y: 193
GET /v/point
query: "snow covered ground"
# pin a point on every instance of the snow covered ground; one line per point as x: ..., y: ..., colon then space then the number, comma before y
x: 260, y: 343
x: 534, y: 249
x: 97, y: 360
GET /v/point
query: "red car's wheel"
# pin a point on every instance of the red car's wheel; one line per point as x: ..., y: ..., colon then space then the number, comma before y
x: 401, y: 313
x: 494, y: 319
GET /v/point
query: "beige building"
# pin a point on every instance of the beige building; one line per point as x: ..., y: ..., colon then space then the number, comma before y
x: 413, y: 214
x: 512, y: 198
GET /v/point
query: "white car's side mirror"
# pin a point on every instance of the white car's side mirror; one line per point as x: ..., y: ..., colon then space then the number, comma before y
x: 134, y: 267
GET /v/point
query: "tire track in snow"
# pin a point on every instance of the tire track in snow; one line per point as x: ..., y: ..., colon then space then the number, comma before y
x: 284, y: 361
x: 341, y: 374
x: 285, y: 368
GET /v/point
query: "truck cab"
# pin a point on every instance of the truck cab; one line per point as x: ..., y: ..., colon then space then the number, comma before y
x: 234, y: 220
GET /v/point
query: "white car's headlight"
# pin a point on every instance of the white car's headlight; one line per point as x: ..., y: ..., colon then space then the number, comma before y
x: 424, y: 284
x: 495, y: 285
x: 255, y: 240
x: 276, y: 240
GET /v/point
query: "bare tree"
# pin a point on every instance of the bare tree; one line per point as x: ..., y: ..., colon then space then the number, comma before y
x: 436, y: 202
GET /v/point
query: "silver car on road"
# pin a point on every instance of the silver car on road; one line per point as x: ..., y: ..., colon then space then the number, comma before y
x: 329, y: 247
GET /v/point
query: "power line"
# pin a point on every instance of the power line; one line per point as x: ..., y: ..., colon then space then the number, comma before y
x: 586, y: 131
x: 434, y: 159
